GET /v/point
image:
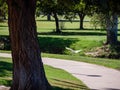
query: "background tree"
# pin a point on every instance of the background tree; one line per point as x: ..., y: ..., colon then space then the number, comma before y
x: 80, y: 9
x: 52, y: 7
x: 110, y: 8
x: 28, y: 71
x: 3, y: 10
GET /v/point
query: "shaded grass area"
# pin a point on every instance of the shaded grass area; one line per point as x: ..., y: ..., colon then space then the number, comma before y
x: 59, y: 79
x: 111, y: 63
x: 81, y: 33
x: 57, y: 45
x: 5, y: 71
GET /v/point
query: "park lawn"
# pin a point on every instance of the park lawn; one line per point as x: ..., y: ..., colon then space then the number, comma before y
x: 59, y: 79
x: 70, y: 37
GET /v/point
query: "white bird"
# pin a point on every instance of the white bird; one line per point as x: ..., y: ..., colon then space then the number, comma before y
x: 73, y: 51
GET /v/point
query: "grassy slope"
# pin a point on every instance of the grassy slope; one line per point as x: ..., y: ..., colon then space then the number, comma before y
x: 111, y: 63
x: 59, y: 79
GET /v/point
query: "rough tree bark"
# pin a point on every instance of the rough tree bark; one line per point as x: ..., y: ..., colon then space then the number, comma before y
x: 28, y: 71
x: 112, y: 28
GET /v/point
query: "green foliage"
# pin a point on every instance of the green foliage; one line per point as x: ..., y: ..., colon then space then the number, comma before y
x: 105, y: 6
x: 3, y: 10
x: 50, y: 7
x: 98, y: 20
x: 4, y: 43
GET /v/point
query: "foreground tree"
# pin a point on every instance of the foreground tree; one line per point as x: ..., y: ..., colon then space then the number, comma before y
x: 28, y: 71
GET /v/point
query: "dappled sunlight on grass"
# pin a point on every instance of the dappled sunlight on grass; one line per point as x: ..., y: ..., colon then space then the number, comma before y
x: 59, y: 79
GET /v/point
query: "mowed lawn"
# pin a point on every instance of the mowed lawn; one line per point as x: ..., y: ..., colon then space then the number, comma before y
x: 71, y: 37
x: 85, y: 40
x: 59, y: 79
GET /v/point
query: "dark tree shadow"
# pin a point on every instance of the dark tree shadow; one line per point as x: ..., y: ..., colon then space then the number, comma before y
x: 91, y: 75
x: 3, y: 25
x: 74, y: 33
x: 84, y: 29
x: 5, y: 66
x: 69, y: 84
x: 58, y: 88
x: 6, y: 71
x: 54, y: 45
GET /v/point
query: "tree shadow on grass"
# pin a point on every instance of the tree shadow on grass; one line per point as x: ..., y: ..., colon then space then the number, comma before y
x: 69, y: 85
x: 4, y: 68
x: 3, y: 25
x: 74, y: 33
x: 84, y: 29
x: 5, y: 73
x: 58, y: 88
x: 54, y: 45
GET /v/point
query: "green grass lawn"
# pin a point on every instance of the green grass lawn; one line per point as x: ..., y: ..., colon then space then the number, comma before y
x: 50, y: 43
x: 59, y: 79
x: 53, y: 43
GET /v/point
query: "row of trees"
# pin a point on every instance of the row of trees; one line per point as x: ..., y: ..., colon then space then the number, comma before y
x: 79, y: 8
x: 28, y: 71
x: 110, y: 9
x: 69, y: 10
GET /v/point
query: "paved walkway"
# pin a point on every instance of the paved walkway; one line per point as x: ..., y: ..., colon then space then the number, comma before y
x: 94, y: 76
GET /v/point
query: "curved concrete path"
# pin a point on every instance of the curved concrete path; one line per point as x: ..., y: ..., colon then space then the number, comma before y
x: 94, y: 76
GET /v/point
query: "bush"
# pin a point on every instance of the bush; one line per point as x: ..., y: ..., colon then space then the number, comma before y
x: 106, y: 51
x: 5, y: 43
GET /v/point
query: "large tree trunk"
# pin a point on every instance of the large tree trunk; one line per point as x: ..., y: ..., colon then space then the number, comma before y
x: 57, y: 23
x: 28, y: 71
x: 112, y: 28
x: 81, y: 16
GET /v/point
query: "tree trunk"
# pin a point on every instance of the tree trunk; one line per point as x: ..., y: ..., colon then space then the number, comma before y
x: 57, y: 23
x: 28, y: 71
x: 81, y: 16
x: 112, y: 28
x: 49, y: 17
